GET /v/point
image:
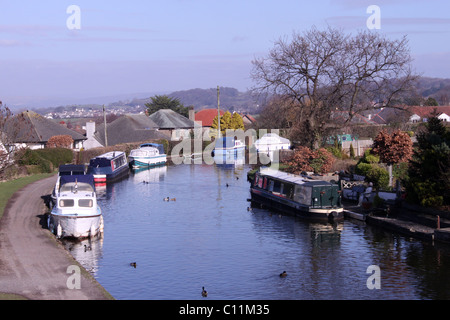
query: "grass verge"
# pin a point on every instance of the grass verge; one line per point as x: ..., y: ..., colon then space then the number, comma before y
x: 8, y: 188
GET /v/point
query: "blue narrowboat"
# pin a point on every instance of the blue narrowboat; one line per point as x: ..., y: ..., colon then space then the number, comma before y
x: 108, y: 167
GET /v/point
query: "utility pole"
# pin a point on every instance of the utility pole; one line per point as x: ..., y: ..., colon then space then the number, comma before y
x: 104, y: 121
x: 218, y: 111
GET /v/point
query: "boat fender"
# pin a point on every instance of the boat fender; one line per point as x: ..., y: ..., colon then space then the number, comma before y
x: 92, y: 231
x: 102, y: 225
x: 333, y: 215
x: 59, y: 231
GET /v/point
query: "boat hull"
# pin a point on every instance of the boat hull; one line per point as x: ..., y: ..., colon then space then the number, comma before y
x: 75, y: 226
x: 139, y: 162
x: 104, y: 175
x: 290, y: 207
x: 228, y: 151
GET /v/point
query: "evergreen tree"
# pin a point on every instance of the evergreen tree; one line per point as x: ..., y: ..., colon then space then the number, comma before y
x: 237, y: 122
x: 429, y: 169
x: 228, y: 121
x: 166, y: 102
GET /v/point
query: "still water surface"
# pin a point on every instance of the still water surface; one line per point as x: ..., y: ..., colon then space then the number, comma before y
x: 207, y: 237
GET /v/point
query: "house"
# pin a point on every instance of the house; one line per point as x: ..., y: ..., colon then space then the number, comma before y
x: 421, y: 114
x: 205, y: 119
x: 248, y: 119
x: 343, y: 117
x: 125, y: 129
x: 32, y: 130
x: 173, y: 124
x: 412, y: 114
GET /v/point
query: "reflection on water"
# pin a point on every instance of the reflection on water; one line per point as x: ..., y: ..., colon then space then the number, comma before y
x: 208, y: 236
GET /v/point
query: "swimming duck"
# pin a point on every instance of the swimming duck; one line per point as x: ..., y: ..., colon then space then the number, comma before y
x: 283, y: 274
x: 133, y: 264
x: 166, y: 199
x: 204, y: 292
x: 173, y: 199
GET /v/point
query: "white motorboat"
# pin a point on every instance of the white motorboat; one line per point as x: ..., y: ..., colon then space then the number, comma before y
x: 148, y: 155
x: 76, y: 213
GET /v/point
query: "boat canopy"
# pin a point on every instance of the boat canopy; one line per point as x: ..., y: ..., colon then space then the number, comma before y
x: 86, y: 179
x: 225, y: 142
x: 72, y: 169
x: 158, y: 146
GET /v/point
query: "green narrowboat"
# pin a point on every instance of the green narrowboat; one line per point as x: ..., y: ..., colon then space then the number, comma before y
x: 297, y: 195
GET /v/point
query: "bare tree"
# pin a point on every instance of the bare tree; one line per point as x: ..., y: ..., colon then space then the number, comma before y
x: 326, y: 72
x: 11, y: 127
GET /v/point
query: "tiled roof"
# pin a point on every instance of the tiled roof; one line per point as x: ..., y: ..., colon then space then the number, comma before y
x: 169, y: 119
x: 425, y: 112
x: 30, y: 126
x: 205, y: 117
x: 129, y: 128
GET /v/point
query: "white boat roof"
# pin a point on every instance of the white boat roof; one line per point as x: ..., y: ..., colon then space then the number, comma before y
x: 290, y: 177
x: 272, y: 138
x: 110, y: 155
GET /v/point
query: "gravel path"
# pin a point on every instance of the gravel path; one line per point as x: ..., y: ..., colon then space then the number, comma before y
x: 33, y: 263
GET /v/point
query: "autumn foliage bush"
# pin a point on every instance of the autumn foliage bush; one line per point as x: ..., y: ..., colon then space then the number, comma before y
x: 305, y: 159
x: 393, y: 148
x: 61, y: 141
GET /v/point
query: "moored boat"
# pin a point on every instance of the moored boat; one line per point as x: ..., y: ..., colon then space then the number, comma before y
x: 67, y: 170
x: 228, y: 146
x: 147, y: 155
x: 300, y: 196
x: 76, y: 213
x: 108, y: 167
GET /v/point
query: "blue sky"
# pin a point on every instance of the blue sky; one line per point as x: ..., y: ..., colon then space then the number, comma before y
x: 130, y: 47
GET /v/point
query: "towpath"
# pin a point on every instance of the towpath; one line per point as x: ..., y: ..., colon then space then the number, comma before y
x: 33, y: 263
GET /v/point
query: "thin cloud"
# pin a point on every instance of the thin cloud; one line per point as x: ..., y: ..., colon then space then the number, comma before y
x: 30, y: 30
x: 12, y: 43
x: 360, y: 21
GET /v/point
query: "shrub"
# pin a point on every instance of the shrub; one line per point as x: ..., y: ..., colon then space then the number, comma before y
x: 46, y: 159
x: 319, y: 161
x: 378, y: 176
x: 362, y: 168
x: 425, y: 191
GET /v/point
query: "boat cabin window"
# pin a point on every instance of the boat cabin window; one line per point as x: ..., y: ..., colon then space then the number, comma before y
x: 72, y: 187
x: 277, y: 187
x: 260, y: 182
x: 118, y: 162
x: 270, y: 188
x: 288, y: 190
x: 303, y: 195
x: 66, y: 203
x: 85, y: 203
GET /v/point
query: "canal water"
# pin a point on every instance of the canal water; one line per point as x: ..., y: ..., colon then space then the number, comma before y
x: 206, y: 236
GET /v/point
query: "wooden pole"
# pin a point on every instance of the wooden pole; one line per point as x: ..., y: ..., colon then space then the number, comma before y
x: 218, y: 111
x: 104, y: 121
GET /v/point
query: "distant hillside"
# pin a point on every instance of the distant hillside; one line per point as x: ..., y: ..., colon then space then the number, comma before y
x: 234, y: 100
x: 436, y: 88
x: 230, y: 99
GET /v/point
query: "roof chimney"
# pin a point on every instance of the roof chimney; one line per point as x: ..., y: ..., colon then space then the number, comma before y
x: 191, y: 113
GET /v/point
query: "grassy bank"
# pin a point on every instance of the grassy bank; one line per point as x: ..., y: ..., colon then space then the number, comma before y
x: 8, y: 188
